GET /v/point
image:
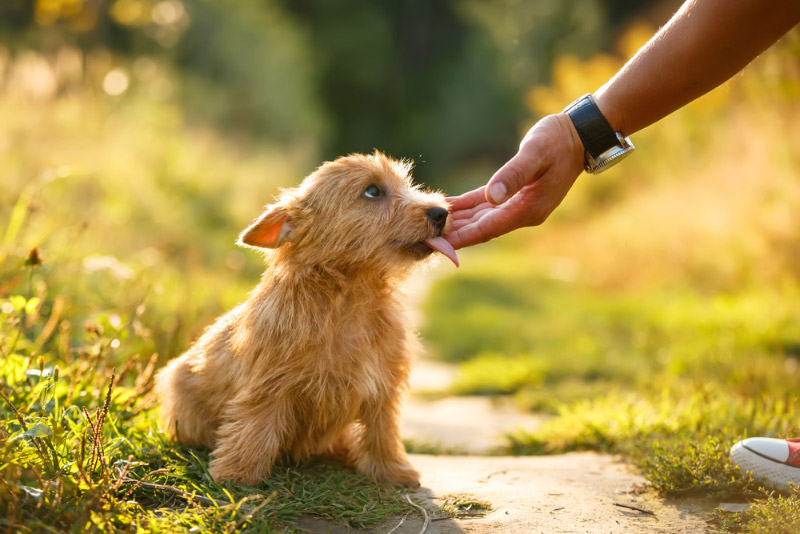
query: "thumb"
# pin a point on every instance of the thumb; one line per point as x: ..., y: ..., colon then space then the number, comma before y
x: 513, y: 176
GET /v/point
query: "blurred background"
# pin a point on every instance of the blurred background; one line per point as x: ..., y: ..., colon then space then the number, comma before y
x: 138, y: 137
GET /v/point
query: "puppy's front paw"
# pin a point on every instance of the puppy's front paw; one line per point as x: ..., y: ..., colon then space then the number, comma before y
x: 225, y: 471
x: 399, y: 473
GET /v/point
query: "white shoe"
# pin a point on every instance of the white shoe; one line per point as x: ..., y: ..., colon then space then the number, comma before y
x: 775, y: 462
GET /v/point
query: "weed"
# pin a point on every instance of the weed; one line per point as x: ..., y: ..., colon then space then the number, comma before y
x: 773, y: 514
x: 465, y: 506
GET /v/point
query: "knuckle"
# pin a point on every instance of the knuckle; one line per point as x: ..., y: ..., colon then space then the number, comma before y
x: 538, y: 216
x: 517, y: 175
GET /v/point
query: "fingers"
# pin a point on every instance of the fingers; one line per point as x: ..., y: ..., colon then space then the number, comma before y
x: 467, y: 200
x: 525, y: 190
x: 469, y: 213
x: 487, y: 223
x: 464, y: 237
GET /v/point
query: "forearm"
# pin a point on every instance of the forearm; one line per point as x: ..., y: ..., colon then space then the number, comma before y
x: 702, y: 46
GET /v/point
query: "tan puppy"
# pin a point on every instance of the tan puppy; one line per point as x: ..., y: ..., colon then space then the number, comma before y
x: 316, y: 361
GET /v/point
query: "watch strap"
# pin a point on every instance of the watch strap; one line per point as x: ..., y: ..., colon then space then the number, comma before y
x: 595, y: 132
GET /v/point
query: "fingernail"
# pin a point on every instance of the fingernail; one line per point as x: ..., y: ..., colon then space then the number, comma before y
x: 497, y: 192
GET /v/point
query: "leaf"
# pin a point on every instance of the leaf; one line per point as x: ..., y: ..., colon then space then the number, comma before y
x: 17, y: 301
x: 15, y: 436
x: 31, y: 305
x: 119, y: 464
x: 33, y: 492
x: 39, y: 430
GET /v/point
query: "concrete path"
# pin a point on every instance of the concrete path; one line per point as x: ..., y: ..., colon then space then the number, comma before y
x: 466, y: 425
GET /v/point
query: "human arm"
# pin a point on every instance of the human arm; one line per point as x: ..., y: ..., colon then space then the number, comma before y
x: 705, y: 43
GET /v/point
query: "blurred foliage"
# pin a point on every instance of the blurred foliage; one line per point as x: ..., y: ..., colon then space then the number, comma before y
x: 133, y: 210
x: 531, y: 336
x: 242, y: 65
x: 443, y: 82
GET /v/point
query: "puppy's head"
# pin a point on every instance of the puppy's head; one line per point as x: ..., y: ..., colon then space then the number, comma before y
x: 356, y: 211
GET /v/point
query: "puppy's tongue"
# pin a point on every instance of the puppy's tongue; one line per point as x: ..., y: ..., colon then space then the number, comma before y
x: 442, y: 245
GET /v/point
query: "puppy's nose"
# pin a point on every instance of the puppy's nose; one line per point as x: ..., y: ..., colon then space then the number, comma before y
x: 438, y: 217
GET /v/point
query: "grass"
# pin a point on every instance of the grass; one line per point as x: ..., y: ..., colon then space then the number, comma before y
x: 776, y: 514
x: 465, y: 506
x: 671, y: 380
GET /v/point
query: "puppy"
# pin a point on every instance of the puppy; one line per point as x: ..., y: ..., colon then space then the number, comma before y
x: 316, y: 361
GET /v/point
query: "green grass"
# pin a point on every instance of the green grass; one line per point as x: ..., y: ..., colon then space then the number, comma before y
x: 81, y: 450
x: 775, y: 514
x: 548, y: 342
x: 465, y: 506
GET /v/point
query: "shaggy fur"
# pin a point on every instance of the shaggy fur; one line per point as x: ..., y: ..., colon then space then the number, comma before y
x: 316, y: 361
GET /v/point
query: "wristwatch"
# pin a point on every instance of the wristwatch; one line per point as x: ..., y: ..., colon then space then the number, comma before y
x: 604, y: 147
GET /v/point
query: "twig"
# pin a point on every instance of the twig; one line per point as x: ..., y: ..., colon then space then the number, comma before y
x: 144, y: 376
x: 402, y: 520
x: 424, y: 514
x: 122, y: 474
x: 631, y: 507
x: 176, y: 491
x: 16, y: 412
x: 121, y: 478
x: 92, y: 438
x: 100, y: 418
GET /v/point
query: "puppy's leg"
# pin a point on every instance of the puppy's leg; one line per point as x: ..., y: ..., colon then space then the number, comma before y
x: 249, y: 443
x: 378, y: 450
x: 183, y: 405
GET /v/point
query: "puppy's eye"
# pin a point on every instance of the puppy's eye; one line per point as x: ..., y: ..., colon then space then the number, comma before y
x: 373, y: 191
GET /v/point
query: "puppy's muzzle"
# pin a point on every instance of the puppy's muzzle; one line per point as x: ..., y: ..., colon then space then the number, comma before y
x: 438, y: 217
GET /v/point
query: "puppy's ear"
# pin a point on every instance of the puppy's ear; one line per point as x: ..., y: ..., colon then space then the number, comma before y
x: 271, y: 230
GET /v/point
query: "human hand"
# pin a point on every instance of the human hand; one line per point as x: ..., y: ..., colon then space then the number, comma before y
x: 525, y: 190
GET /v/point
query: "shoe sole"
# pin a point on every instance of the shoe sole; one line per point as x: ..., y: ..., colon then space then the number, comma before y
x: 775, y: 474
